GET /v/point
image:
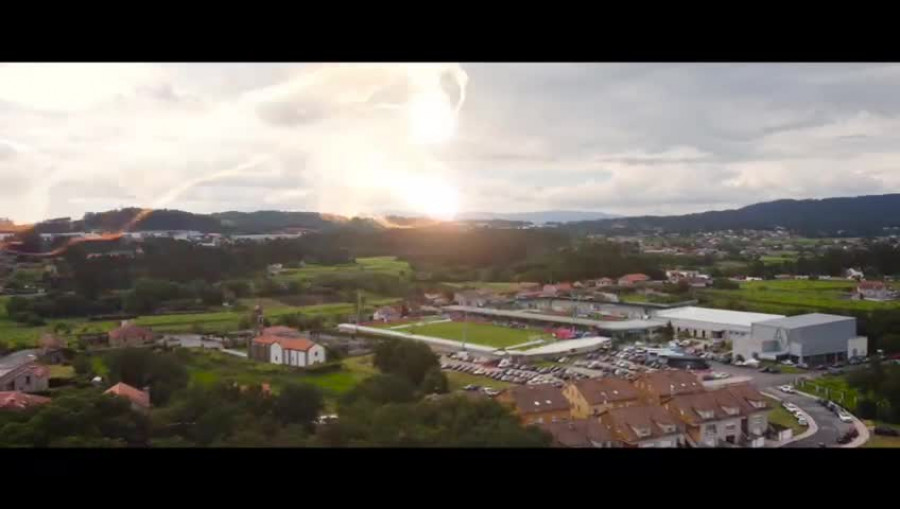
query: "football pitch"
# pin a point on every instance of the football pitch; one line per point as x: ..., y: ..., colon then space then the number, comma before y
x: 479, y: 333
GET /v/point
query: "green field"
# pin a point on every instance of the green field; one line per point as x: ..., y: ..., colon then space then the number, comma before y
x: 779, y: 415
x: 832, y: 387
x: 206, y: 367
x: 498, y: 286
x: 374, y: 265
x: 789, y: 296
x: 219, y: 321
x: 880, y: 441
x: 482, y: 334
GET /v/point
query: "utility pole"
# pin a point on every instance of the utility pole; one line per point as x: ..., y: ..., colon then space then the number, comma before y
x: 465, y: 328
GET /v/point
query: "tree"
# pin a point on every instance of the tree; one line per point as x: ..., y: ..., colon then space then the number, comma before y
x: 382, y: 389
x: 298, y: 404
x: 725, y: 284
x: 435, y: 382
x: 82, y: 365
x: 164, y: 373
x: 409, y: 359
x: 890, y: 343
x: 668, y: 332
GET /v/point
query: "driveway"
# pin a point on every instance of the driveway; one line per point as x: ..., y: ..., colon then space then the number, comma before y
x: 830, y: 427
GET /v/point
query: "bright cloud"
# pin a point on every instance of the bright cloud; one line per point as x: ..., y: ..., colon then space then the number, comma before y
x: 441, y: 138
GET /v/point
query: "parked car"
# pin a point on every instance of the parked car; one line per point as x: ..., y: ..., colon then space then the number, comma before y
x: 845, y: 417
x: 787, y: 389
x: 886, y: 431
x: 802, y: 421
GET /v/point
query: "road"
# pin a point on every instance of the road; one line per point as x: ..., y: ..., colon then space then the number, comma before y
x: 830, y: 427
x: 192, y: 341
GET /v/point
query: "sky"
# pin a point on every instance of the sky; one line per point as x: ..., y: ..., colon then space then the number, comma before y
x: 438, y: 139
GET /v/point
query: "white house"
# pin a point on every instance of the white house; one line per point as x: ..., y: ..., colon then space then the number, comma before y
x: 281, y: 345
x: 854, y: 274
x: 299, y: 352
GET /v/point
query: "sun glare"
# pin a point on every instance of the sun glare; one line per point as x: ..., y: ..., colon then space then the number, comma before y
x: 432, y: 197
x: 431, y: 118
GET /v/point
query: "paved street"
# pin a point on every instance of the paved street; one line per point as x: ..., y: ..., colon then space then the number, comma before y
x: 830, y: 427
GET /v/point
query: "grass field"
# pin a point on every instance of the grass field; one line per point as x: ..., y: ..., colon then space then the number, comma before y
x: 796, y: 296
x: 206, y: 367
x: 779, y: 415
x: 491, y: 285
x: 219, y: 321
x: 482, y: 334
x: 834, y: 388
x: 376, y: 265
x: 880, y: 441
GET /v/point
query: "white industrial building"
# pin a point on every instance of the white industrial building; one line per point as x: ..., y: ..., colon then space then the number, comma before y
x: 709, y: 323
x: 812, y: 339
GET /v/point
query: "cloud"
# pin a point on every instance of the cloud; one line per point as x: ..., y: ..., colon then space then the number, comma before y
x: 622, y: 138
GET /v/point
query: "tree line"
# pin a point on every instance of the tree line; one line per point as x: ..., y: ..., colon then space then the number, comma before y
x: 396, y: 407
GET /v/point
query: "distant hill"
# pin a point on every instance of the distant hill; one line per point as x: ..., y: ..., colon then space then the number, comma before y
x: 855, y: 216
x: 540, y: 217
x: 264, y: 221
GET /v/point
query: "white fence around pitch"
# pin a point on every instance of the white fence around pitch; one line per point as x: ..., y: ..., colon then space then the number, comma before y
x: 447, y: 343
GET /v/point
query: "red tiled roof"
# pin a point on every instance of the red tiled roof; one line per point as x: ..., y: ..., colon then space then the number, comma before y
x: 538, y: 398
x: 671, y: 383
x: 136, y: 396
x: 17, y: 400
x: 599, y: 391
x: 297, y: 343
x: 578, y: 432
x: 650, y: 420
x: 693, y: 408
x: 634, y: 278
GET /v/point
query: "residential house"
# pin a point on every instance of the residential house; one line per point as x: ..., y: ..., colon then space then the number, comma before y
x: 644, y: 426
x: 436, y: 299
x: 52, y: 349
x: 710, y: 418
x: 660, y: 386
x: 594, y: 396
x: 677, y: 275
x: 854, y: 274
x: 755, y: 408
x: 537, y: 404
x: 274, y: 269
x: 580, y: 433
x: 874, y: 290
x: 19, y: 371
x: 476, y: 298
x: 129, y: 334
x: 386, y: 314
x: 283, y: 345
x: 632, y: 279
x: 140, y: 400
x: 605, y: 281
x: 18, y: 400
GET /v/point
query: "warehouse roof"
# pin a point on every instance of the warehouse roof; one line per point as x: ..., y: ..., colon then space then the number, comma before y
x: 609, y: 325
x: 807, y: 320
x: 716, y: 316
x: 564, y: 345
